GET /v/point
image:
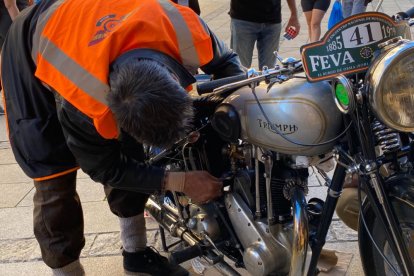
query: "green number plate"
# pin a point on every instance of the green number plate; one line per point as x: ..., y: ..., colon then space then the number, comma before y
x: 349, y: 46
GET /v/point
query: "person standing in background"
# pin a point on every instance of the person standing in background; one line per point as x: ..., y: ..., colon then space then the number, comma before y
x: 9, y: 9
x: 351, y: 7
x: 314, y: 11
x: 259, y: 22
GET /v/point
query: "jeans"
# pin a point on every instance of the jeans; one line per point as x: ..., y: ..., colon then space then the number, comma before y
x: 244, y: 35
x: 351, y: 7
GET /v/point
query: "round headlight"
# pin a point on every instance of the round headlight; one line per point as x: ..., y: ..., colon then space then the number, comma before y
x: 391, y: 87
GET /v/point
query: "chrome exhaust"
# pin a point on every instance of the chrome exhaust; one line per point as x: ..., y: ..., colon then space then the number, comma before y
x: 300, y: 232
x: 169, y: 221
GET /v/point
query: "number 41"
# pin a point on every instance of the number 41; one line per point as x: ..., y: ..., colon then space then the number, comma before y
x: 356, y: 36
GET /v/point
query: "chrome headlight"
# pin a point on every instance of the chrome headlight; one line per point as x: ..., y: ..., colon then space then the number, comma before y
x: 391, y: 87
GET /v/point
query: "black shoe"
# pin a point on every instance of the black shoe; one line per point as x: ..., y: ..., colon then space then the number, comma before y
x: 151, y: 262
x: 1, y: 110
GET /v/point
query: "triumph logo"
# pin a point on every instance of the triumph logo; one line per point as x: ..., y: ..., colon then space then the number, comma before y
x: 283, y: 128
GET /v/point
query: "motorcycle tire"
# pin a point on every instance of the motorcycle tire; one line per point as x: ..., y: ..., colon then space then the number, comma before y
x: 372, y: 262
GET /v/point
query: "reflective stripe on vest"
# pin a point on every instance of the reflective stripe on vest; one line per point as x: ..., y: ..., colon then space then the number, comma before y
x: 67, y: 66
x: 183, y: 2
x: 184, y: 37
x: 81, y: 76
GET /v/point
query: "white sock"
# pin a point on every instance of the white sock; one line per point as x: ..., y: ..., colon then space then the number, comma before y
x: 73, y: 269
x: 133, y: 233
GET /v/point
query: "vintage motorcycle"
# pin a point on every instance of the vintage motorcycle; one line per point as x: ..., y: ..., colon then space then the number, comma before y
x: 262, y: 133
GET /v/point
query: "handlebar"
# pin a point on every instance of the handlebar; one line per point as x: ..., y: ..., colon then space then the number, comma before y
x: 209, y: 86
x: 220, y: 86
x: 404, y: 15
x: 410, y: 13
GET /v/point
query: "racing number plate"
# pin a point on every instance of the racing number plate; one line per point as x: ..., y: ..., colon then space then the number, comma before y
x: 349, y: 46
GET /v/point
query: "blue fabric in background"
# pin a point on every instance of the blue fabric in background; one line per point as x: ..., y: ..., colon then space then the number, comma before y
x: 336, y: 14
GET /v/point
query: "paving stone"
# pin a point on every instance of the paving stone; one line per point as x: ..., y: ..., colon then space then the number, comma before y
x: 28, y: 198
x: 90, y: 191
x: 4, y: 145
x: 98, y: 218
x: 6, y: 155
x: 12, y: 194
x: 14, y: 174
x: 355, y: 267
x: 151, y: 223
x: 82, y: 175
x: 36, y: 254
x: 318, y: 192
x: 3, y: 129
x: 37, y: 268
x: 152, y: 237
x: 89, y: 240
x: 16, y: 251
x: 16, y: 223
x: 343, y: 232
x: 330, y: 237
x: 106, y: 244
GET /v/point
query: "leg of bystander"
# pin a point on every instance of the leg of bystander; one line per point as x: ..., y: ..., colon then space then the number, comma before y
x: 267, y: 43
x: 347, y: 8
x: 243, y: 37
x: 358, y: 7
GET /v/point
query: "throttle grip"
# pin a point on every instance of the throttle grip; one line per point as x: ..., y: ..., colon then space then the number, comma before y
x: 405, y: 15
x: 410, y: 12
x: 209, y: 86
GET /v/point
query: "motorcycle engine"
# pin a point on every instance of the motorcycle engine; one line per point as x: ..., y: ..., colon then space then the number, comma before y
x: 203, y: 220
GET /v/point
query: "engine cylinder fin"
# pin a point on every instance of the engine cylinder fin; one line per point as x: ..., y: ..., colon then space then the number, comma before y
x: 281, y: 206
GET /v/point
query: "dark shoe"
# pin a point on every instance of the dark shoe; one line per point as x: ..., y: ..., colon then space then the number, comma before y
x: 1, y: 110
x: 151, y: 262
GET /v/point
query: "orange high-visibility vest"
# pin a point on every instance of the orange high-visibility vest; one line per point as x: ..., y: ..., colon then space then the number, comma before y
x: 76, y: 41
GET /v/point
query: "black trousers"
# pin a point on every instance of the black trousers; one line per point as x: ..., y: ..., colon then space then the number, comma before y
x: 58, y: 218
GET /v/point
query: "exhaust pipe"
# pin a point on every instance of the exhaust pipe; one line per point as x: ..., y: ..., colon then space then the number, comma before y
x: 169, y: 221
x: 300, y: 232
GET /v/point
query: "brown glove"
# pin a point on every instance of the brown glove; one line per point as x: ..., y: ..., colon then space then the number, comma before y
x: 200, y: 186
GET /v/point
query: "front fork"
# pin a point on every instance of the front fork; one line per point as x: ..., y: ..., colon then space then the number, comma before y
x: 318, y: 241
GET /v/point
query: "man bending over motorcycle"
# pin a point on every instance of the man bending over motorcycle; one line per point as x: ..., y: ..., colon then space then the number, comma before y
x: 85, y: 85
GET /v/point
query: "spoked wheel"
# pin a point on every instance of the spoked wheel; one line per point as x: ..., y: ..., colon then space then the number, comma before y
x: 372, y: 261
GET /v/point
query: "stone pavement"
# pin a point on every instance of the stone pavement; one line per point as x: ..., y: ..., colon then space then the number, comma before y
x: 19, y: 252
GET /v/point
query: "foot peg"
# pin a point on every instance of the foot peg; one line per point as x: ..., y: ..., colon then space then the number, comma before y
x: 186, y: 254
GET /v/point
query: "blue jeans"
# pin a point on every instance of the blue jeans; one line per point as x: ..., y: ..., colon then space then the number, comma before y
x: 244, y: 35
x: 351, y: 7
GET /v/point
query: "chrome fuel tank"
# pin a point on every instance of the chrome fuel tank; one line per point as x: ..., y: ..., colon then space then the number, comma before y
x: 305, y: 112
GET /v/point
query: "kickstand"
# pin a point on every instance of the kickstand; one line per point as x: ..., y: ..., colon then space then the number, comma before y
x: 163, y: 241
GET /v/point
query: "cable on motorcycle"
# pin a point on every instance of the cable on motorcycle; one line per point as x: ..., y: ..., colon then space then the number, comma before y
x: 163, y: 154
x: 290, y: 140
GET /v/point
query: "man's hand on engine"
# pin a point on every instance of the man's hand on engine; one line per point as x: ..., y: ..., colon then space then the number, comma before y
x: 200, y: 186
